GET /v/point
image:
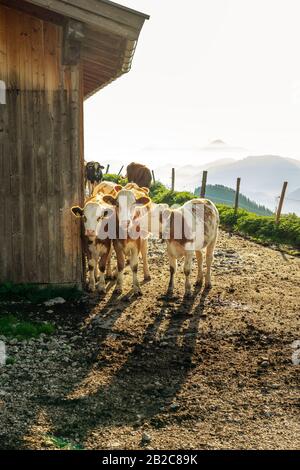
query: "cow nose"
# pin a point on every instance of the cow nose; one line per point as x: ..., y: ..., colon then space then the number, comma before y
x: 90, y: 233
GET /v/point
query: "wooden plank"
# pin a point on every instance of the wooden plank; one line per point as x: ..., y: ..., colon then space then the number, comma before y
x: 3, y: 45
x: 76, y: 136
x: 237, y: 194
x: 173, y: 180
x: 153, y: 177
x: 281, y: 201
x: 42, y: 133
x: 37, y: 54
x: 203, y: 185
x: 5, y: 223
x: 5, y: 230
x: 15, y: 81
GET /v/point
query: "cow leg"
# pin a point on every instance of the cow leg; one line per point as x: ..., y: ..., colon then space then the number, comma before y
x: 92, y: 280
x: 199, y: 258
x: 188, y: 261
x: 97, y: 271
x: 121, y: 266
x: 144, y: 252
x: 173, y: 269
x: 209, y: 259
x: 134, y: 262
x: 108, y: 265
x: 103, y: 263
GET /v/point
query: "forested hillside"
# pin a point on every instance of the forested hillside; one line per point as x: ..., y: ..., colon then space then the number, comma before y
x: 223, y: 195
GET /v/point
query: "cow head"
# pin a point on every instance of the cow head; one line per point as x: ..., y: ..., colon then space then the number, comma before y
x: 90, y: 215
x: 128, y: 207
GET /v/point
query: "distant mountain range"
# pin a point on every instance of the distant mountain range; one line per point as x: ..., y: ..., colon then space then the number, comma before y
x: 262, y: 178
x: 222, y: 195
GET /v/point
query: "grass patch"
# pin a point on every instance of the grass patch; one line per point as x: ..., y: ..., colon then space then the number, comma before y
x: 12, y: 327
x: 35, y: 293
x: 10, y: 360
x: 62, y: 443
x: 262, y: 228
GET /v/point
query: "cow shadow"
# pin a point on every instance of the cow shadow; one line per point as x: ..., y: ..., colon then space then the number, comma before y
x: 145, y: 385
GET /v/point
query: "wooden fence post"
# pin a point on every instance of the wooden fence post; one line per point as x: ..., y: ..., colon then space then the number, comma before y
x: 237, y: 194
x: 203, y: 186
x: 153, y: 176
x: 107, y: 169
x: 121, y: 170
x: 279, y: 209
x: 173, y: 179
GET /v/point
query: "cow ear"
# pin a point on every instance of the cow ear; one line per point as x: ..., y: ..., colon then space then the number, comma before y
x: 118, y: 188
x: 77, y: 211
x: 109, y: 200
x: 143, y: 201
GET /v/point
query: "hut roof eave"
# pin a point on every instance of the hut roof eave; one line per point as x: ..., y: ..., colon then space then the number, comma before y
x: 111, y: 32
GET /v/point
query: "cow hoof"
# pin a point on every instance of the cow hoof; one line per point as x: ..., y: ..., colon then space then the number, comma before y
x: 118, y: 291
x: 187, y: 294
x: 198, y: 283
x: 208, y: 285
x: 147, y: 278
x: 137, y: 291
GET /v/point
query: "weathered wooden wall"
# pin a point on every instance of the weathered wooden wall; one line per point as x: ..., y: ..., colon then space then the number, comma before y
x: 41, y: 154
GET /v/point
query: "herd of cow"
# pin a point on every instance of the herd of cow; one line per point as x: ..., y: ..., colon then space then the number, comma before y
x: 122, y: 219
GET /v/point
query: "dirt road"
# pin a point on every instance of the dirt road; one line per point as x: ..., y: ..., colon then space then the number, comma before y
x: 212, y: 372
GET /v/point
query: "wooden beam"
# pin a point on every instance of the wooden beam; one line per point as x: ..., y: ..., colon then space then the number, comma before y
x: 73, y: 37
x: 237, y: 194
x: 203, y: 185
x: 153, y: 176
x: 281, y: 200
x: 173, y: 180
x: 91, y: 16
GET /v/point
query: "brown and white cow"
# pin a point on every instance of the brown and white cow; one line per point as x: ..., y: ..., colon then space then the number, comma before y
x: 94, y: 248
x: 188, y: 230
x: 126, y: 235
x: 139, y: 174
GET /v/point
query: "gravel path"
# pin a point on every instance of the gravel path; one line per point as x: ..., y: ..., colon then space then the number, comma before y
x: 211, y: 372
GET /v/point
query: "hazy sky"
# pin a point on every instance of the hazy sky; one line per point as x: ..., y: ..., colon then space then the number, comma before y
x: 203, y: 70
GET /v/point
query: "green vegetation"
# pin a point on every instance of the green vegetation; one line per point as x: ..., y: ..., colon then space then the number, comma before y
x: 10, y: 326
x: 62, y: 443
x: 115, y: 179
x: 220, y: 194
x: 36, y: 294
x: 261, y: 228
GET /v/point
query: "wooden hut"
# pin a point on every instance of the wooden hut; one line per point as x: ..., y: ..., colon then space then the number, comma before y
x: 53, y: 55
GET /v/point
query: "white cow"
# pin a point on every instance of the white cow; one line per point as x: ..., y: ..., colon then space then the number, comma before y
x: 188, y: 230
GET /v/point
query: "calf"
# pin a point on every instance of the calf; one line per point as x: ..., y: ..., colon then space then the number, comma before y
x: 127, y: 239
x: 94, y: 248
x: 189, y: 229
x: 139, y: 174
